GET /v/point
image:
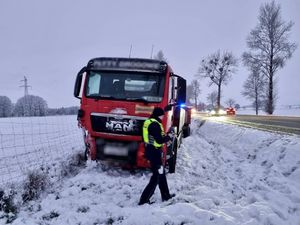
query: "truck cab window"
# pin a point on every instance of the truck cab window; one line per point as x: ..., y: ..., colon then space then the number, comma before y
x: 118, y: 87
x: 93, y: 86
x: 126, y: 86
x: 172, y: 96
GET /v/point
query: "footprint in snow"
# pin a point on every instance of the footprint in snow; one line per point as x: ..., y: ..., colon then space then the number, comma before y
x: 288, y: 173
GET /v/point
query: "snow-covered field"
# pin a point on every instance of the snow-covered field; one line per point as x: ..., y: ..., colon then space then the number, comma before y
x: 32, y: 142
x: 225, y: 175
x: 280, y: 111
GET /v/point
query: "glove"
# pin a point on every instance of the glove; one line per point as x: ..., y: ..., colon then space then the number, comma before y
x: 171, y: 135
x: 169, y: 143
x: 161, y: 170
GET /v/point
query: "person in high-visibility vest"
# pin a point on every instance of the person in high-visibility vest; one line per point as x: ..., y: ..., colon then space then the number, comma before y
x: 154, y: 138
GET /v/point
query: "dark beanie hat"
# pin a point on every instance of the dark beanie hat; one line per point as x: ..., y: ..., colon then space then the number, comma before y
x: 158, y: 112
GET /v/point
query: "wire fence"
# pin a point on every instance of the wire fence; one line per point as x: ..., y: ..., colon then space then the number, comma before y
x: 32, y: 143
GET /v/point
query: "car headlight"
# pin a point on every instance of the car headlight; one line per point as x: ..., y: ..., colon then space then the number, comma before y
x: 221, y: 112
x: 212, y: 112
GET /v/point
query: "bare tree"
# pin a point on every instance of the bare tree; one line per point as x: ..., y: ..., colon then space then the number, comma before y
x: 237, y: 106
x: 230, y: 102
x: 5, y: 106
x: 219, y: 69
x: 254, y: 87
x: 201, y: 106
x: 189, y: 94
x: 160, y: 56
x: 194, y: 91
x: 269, y: 46
x: 212, y: 99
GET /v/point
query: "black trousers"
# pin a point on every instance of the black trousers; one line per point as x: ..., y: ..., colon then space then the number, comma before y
x: 156, y: 179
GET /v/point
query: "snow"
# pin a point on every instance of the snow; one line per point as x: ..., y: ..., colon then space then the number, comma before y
x: 280, y: 111
x: 30, y: 143
x: 225, y: 175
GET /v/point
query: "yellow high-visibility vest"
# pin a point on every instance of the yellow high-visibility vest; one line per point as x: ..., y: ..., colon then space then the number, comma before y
x: 149, y: 139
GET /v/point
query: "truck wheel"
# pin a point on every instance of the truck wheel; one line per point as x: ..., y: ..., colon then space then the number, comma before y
x: 186, y: 131
x: 172, y: 160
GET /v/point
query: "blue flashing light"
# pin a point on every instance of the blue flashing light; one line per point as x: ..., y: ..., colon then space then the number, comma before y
x: 182, y: 105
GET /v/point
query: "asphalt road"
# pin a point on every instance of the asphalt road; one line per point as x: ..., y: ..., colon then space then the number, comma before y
x: 284, y: 124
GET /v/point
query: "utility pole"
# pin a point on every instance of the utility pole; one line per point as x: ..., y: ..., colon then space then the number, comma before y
x: 26, y: 86
x: 152, y: 51
x: 130, y: 51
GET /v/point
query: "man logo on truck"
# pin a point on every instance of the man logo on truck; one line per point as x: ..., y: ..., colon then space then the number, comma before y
x: 114, y: 125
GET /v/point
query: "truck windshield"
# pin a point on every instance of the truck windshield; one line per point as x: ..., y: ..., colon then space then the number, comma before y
x: 132, y: 86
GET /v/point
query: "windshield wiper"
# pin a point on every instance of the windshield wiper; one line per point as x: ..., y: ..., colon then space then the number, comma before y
x: 138, y: 99
x: 97, y: 97
x: 107, y: 96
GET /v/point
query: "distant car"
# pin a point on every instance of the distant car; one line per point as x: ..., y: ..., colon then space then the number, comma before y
x: 215, y: 112
x: 193, y: 110
x: 230, y: 111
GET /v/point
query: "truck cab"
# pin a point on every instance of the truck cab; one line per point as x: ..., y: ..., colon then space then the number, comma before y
x: 117, y: 95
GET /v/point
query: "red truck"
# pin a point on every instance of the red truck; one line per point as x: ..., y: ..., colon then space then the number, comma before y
x: 117, y: 95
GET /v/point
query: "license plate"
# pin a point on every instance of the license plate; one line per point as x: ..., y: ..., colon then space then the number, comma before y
x: 115, y: 150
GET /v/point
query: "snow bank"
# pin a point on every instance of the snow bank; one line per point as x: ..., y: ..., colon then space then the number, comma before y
x: 225, y: 175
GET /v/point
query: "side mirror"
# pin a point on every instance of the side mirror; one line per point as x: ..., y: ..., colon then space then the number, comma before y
x: 80, y: 113
x: 181, y: 96
x: 78, y: 83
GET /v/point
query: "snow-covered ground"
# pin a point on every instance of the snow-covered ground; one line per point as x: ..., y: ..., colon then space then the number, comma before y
x: 225, y: 175
x: 30, y: 143
x: 280, y: 111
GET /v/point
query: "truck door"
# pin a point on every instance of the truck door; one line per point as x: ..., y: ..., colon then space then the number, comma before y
x: 177, y: 98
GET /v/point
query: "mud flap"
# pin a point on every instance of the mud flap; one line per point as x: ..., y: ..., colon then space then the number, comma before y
x: 172, y: 154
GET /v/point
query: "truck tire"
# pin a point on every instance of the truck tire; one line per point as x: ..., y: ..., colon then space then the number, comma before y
x: 186, y: 131
x: 172, y: 160
x: 87, y: 154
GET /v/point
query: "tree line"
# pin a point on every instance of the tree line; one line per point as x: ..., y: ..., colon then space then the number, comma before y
x: 31, y: 105
x: 268, y: 50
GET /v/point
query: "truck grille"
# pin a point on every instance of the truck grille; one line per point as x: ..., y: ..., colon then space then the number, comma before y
x: 117, y: 124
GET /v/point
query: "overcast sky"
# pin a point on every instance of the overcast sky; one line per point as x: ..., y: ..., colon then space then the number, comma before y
x: 49, y: 41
